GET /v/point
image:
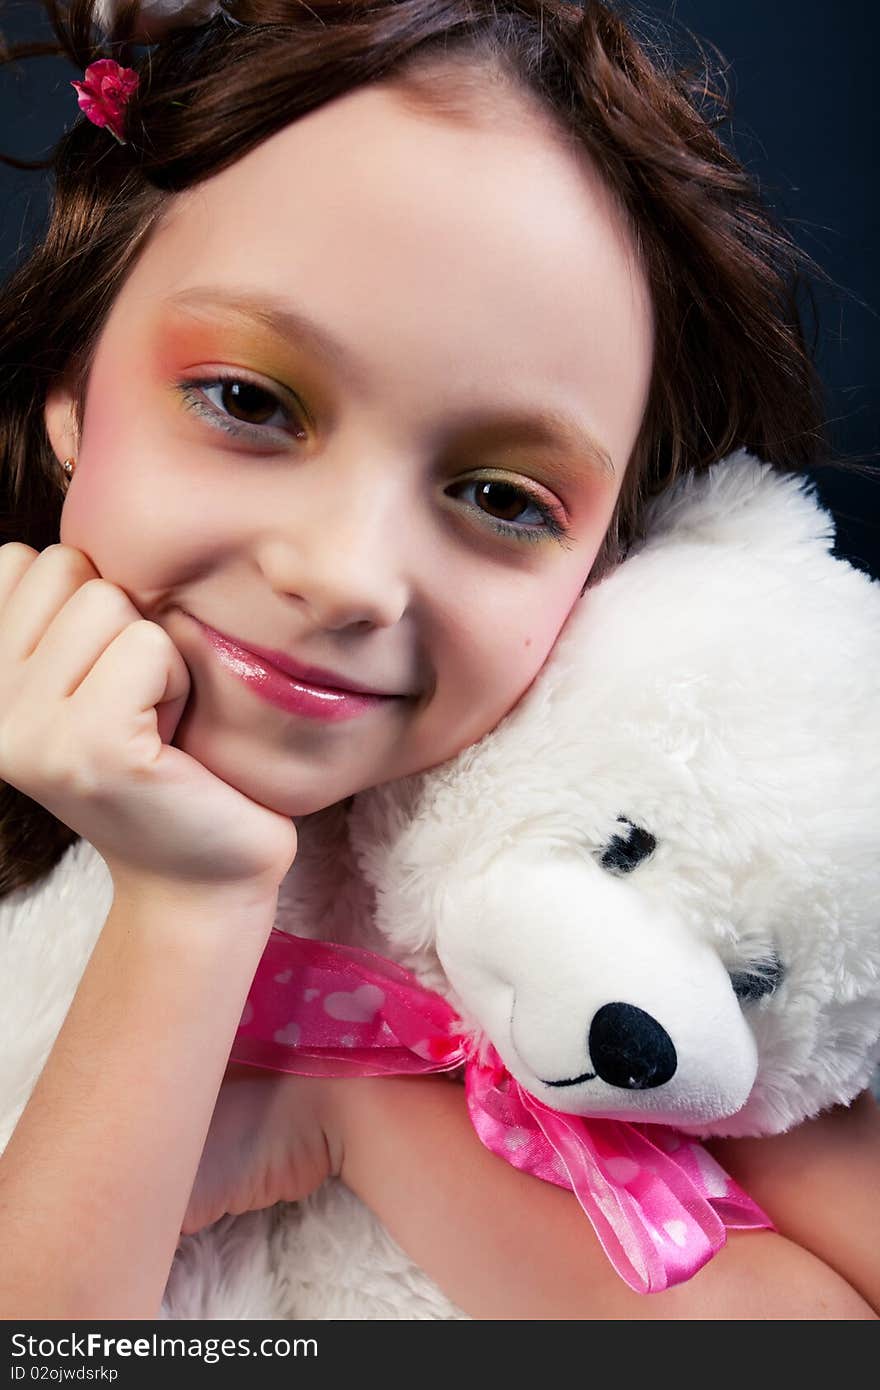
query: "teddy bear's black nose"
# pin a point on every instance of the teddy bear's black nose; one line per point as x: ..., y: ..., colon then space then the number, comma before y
x: 629, y: 1048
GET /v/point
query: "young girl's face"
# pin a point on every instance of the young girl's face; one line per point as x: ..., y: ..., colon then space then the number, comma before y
x: 478, y: 316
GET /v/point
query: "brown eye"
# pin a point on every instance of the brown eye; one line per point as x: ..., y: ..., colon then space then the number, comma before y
x: 247, y: 402
x: 495, y: 495
x: 503, y: 500
x: 243, y: 408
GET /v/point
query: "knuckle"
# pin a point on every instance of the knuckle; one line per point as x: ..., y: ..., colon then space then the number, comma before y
x: 98, y: 585
x: 14, y: 550
x: 59, y: 555
x: 109, y: 595
x: 70, y: 556
x: 145, y: 630
x: 74, y: 566
x: 15, y: 560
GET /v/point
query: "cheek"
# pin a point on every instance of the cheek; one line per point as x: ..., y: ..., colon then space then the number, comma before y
x: 491, y: 656
x: 114, y: 510
x: 510, y: 640
x: 524, y: 621
x: 538, y: 640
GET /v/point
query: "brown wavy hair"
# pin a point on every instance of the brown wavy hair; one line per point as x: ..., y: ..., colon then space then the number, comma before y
x: 731, y: 366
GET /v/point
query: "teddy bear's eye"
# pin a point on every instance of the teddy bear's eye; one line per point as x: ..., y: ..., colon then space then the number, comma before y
x: 756, y: 981
x: 625, y: 852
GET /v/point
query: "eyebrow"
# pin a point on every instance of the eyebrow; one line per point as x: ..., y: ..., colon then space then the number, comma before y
x: 543, y: 425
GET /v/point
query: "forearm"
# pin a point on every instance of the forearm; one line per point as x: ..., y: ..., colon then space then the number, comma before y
x: 820, y: 1183
x: 95, y: 1179
x: 503, y: 1244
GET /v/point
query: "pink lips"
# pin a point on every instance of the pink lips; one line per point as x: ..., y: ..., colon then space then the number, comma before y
x: 314, y: 676
x: 286, y: 691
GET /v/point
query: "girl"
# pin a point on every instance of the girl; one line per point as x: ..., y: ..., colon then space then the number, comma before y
x: 372, y: 329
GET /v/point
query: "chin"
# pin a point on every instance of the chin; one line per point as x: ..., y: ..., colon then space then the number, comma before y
x: 301, y: 803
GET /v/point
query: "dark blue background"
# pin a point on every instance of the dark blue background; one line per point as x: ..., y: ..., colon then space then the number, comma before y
x: 802, y: 77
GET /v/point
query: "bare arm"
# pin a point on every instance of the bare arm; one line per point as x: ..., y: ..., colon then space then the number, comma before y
x: 504, y: 1245
x: 96, y: 1177
x: 821, y: 1182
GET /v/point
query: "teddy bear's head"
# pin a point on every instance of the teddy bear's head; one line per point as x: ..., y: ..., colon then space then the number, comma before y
x: 654, y: 886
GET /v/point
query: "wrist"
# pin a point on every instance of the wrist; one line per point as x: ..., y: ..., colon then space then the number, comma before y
x: 244, y: 912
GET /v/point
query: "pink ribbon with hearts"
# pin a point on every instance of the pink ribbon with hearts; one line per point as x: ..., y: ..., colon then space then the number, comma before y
x: 659, y: 1202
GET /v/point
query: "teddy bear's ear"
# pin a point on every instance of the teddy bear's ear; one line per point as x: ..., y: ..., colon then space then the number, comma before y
x: 741, y: 500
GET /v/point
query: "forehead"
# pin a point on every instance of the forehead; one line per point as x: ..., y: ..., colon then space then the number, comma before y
x: 473, y: 257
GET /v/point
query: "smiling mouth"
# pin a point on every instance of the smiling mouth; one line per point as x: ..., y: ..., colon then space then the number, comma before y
x: 573, y: 1081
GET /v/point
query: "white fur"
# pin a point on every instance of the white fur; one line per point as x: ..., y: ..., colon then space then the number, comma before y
x: 718, y: 689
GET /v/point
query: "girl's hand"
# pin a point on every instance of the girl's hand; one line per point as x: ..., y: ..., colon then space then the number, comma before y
x: 273, y: 1138
x: 91, y: 694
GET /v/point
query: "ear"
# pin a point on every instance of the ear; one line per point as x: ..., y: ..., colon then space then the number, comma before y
x: 61, y: 422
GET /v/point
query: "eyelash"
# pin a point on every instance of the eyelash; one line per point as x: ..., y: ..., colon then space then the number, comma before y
x: 554, y: 526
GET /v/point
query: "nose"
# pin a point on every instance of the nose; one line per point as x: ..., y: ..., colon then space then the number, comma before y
x: 630, y: 1049
x: 343, y: 559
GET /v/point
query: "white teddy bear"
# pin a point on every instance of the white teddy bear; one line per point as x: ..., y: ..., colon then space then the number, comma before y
x: 654, y: 884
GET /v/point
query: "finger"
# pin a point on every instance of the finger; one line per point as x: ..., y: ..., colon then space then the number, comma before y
x: 140, y: 670
x: 34, y: 588
x: 168, y: 715
x: 78, y: 634
x: 15, y: 558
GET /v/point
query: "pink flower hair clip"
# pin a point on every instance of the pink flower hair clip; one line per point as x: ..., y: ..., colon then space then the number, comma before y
x: 104, y: 94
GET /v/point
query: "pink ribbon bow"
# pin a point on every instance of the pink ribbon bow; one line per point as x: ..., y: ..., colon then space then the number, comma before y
x: 660, y: 1205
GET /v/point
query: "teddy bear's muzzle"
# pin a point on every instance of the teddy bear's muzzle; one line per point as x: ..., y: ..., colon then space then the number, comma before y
x: 629, y: 1049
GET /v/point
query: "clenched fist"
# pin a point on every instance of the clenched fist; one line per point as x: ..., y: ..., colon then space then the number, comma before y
x: 91, y: 693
